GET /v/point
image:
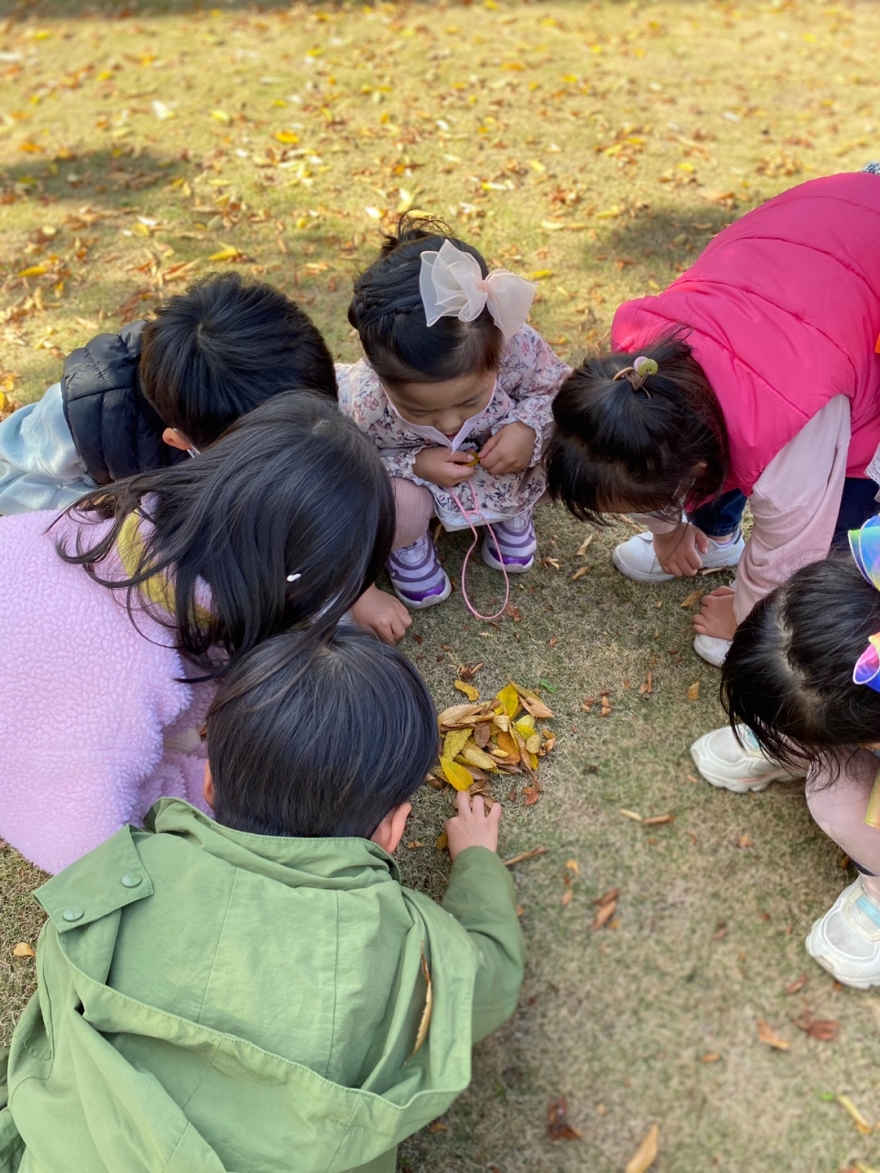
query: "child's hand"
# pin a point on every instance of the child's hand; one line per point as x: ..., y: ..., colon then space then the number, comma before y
x: 472, y: 827
x: 443, y: 467
x: 715, y: 616
x: 509, y: 450
x: 382, y: 613
x: 678, y: 552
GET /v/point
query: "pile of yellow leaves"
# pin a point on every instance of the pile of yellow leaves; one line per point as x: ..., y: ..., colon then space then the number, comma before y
x: 497, y: 736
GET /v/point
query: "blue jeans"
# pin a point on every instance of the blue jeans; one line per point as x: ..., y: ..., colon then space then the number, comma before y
x: 723, y: 515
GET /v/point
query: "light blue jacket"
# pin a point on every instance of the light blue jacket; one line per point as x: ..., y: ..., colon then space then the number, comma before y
x: 40, y: 467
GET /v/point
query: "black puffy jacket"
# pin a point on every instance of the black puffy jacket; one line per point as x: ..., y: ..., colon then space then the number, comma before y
x: 117, y: 433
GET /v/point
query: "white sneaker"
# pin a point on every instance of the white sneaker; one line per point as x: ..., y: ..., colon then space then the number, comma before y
x: 636, y: 558
x: 846, y: 940
x: 725, y: 763
x: 712, y: 650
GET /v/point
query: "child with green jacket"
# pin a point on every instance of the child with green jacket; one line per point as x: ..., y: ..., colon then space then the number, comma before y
x: 258, y: 993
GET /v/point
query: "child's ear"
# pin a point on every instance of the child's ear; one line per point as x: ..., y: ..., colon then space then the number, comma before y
x: 390, y: 831
x: 175, y: 439
x: 208, y: 786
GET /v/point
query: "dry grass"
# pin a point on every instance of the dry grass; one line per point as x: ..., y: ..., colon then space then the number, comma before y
x: 600, y: 145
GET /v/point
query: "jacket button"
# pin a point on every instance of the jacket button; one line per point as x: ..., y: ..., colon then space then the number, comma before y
x: 131, y: 880
x: 72, y: 914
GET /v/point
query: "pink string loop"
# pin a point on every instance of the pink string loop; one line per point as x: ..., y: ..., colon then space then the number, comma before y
x: 466, y: 514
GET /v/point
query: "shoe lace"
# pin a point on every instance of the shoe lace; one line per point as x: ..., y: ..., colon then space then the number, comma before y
x: 476, y: 514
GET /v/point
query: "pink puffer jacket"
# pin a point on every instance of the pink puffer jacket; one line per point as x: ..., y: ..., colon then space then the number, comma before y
x: 783, y: 312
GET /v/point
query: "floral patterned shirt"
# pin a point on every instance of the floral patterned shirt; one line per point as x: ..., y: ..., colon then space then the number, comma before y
x: 529, y: 375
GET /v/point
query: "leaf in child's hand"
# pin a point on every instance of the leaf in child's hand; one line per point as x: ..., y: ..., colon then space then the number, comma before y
x: 646, y: 1154
x: 558, y: 1127
x: 422, y: 1032
x: 23, y: 949
x: 469, y: 691
x: 456, y: 775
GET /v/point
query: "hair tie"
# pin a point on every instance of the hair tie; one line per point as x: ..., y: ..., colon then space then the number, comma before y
x: 637, y: 374
x: 865, y: 546
x: 452, y: 285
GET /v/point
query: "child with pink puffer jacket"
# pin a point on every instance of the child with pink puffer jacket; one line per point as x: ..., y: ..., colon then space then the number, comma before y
x: 755, y: 375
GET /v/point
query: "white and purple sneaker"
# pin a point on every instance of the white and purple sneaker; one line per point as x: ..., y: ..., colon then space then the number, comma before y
x: 514, y: 546
x: 417, y: 577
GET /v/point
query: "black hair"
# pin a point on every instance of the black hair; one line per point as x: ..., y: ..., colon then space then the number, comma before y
x: 788, y: 674
x: 319, y: 742
x: 617, y: 449
x: 292, y: 488
x: 223, y: 347
x: 387, y: 312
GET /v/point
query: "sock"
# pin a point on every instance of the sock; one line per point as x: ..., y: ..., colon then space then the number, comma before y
x: 722, y: 545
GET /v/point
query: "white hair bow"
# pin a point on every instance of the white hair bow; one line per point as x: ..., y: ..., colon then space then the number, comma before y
x: 452, y: 286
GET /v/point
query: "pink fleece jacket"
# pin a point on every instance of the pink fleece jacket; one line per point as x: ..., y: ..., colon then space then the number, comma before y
x: 783, y: 312
x: 94, y: 725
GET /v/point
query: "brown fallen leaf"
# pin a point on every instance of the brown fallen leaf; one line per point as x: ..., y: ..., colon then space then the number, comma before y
x: 796, y: 986
x: 823, y: 1029
x: 658, y: 820
x: 23, y: 949
x: 531, y: 794
x: 558, y: 1127
x: 437, y: 1126
x: 579, y: 573
x: 584, y: 546
x: 466, y: 672
x: 745, y: 841
x: 646, y: 1154
x: 634, y: 815
x: 572, y: 865
x: 567, y: 897
x: 604, y: 914
x: 524, y: 855
x: 694, y: 691
x: 647, y: 686
x: 769, y: 1039
x: 692, y: 598
x: 712, y: 1057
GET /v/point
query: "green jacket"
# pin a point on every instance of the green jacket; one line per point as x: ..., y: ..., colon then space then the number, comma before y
x: 213, y: 1001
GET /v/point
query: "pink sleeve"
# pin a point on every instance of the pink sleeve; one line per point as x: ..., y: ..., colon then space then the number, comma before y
x: 794, y: 505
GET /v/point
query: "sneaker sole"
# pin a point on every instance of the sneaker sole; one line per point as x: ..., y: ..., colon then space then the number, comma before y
x: 429, y: 601
x: 825, y: 964
x: 512, y: 568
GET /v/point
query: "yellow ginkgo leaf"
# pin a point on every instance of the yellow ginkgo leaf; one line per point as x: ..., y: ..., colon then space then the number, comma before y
x: 34, y: 271
x: 509, y: 699
x: 456, y: 775
x: 455, y: 741
x: 287, y: 136
x: 227, y: 253
x: 221, y: 116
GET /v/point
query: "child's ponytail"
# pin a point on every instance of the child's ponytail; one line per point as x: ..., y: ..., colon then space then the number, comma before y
x: 281, y: 524
x: 636, y: 443
x: 387, y: 311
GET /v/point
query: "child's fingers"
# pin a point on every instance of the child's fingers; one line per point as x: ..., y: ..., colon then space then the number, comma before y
x: 463, y: 802
x: 494, y: 813
x: 490, y: 445
x: 461, y: 457
x: 479, y: 806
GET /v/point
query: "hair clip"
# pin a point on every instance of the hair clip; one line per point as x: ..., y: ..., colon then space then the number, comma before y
x: 452, y: 285
x: 637, y: 374
x: 864, y: 543
x: 293, y: 577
